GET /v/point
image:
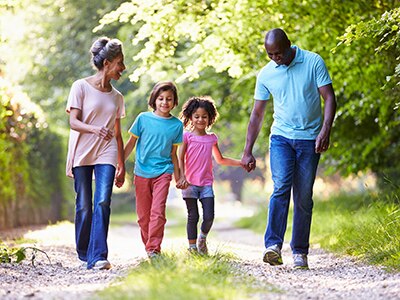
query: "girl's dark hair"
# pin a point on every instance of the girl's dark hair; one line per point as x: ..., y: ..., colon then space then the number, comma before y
x: 162, y: 87
x: 105, y: 48
x: 205, y: 102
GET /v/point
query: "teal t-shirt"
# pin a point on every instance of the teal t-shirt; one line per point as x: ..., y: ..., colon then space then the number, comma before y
x: 156, y: 136
x: 297, y: 102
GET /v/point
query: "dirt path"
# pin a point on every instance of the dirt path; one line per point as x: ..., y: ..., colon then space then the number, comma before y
x: 330, y: 277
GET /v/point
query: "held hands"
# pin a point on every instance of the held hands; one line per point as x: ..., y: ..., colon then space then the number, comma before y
x: 182, y: 183
x: 120, y: 176
x: 248, y: 162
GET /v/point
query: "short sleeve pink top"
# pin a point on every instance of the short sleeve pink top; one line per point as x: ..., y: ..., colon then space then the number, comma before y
x: 198, y: 158
x: 100, y: 109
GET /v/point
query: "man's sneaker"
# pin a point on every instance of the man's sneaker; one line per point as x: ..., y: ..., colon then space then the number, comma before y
x: 102, y: 265
x: 202, y: 245
x: 272, y: 255
x: 300, y: 261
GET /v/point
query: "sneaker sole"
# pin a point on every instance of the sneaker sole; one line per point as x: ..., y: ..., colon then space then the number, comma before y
x: 272, y: 258
x: 301, y: 268
x: 105, y: 267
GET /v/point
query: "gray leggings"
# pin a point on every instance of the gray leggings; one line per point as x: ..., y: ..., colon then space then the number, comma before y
x: 193, y: 216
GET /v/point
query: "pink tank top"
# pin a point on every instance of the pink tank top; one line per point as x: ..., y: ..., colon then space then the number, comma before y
x: 198, y: 158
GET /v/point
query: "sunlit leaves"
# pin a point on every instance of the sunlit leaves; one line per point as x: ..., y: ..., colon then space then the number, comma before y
x: 211, y: 33
x: 191, y: 38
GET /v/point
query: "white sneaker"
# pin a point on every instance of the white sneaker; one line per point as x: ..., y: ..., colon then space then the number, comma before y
x: 82, y: 264
x: 102, y: 265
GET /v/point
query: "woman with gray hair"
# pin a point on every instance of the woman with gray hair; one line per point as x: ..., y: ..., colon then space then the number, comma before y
x: 96, y: 150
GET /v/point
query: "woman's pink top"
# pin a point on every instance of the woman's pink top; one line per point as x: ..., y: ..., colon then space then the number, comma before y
x: 198, y: 158
x: 100, y: 109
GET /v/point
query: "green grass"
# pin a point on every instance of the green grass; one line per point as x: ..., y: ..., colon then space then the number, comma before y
x: 121, y: 218
x: 185, y: 276
x: 371, y: 231
x: 364, y: 226
x: 176, y: 221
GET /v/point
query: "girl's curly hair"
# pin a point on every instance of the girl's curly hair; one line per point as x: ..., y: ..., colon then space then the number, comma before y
x: 205, y: 102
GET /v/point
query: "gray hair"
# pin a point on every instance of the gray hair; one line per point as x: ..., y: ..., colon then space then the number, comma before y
x: 105, y: 48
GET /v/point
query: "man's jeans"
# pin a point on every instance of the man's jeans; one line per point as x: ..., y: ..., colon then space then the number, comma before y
x: 293, y: 164
x: 91, y: 224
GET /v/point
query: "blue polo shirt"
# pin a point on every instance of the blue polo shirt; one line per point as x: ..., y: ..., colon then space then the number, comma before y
x: 156, y: 136
x: 296, y: 98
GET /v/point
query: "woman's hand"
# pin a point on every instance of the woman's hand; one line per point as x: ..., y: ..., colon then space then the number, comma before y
x: 120, y: 176
x: 104, y: 133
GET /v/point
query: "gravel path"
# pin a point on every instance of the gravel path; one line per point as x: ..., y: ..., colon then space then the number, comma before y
x: 329, y: 277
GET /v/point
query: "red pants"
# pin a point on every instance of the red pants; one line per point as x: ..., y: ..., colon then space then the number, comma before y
x: 151, y: 198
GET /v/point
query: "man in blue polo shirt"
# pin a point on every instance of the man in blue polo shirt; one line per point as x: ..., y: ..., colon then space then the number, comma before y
x: 296, y: 79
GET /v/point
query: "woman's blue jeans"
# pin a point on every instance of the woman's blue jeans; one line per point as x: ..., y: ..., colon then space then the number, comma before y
x: 293, y: 166
x: 91, y: 221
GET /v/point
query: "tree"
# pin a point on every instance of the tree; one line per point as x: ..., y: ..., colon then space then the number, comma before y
x: 194, y: 37
x: 376, y: 115
x: 53, y: 49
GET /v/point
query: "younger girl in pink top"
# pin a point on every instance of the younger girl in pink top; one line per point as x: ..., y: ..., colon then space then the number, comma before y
x: 195, y: 161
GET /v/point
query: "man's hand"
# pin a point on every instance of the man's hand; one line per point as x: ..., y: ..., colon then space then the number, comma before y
x: 322, y: 141
x: 248, y: 162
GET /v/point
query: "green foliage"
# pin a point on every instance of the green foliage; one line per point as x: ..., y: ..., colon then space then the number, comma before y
x: 172, y: 276
x: 49, y: 42
x: 8, y: 255
x: 386, y: 28
x: 17, y: 255
x: 28, y: 148
x: 16, y: 122
x: 221, y: 43
x: 44, y: 49
x: 206, y: 33
x: 370, y: 92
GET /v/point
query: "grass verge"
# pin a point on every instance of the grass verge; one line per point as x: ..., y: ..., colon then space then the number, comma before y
x: 184, y: 276
x: 360, y: 225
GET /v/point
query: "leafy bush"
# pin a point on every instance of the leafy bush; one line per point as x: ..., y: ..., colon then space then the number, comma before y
x: 30, y: 159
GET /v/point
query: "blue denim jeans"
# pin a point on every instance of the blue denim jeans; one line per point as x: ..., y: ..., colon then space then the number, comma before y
x: 91, y: 221
x: 293, y: 166
x: 198, y: 192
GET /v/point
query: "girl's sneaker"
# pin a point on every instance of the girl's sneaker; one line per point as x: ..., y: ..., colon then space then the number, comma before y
x: 153, y: 254
x: 202, y: 245
x: 193, y: 250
